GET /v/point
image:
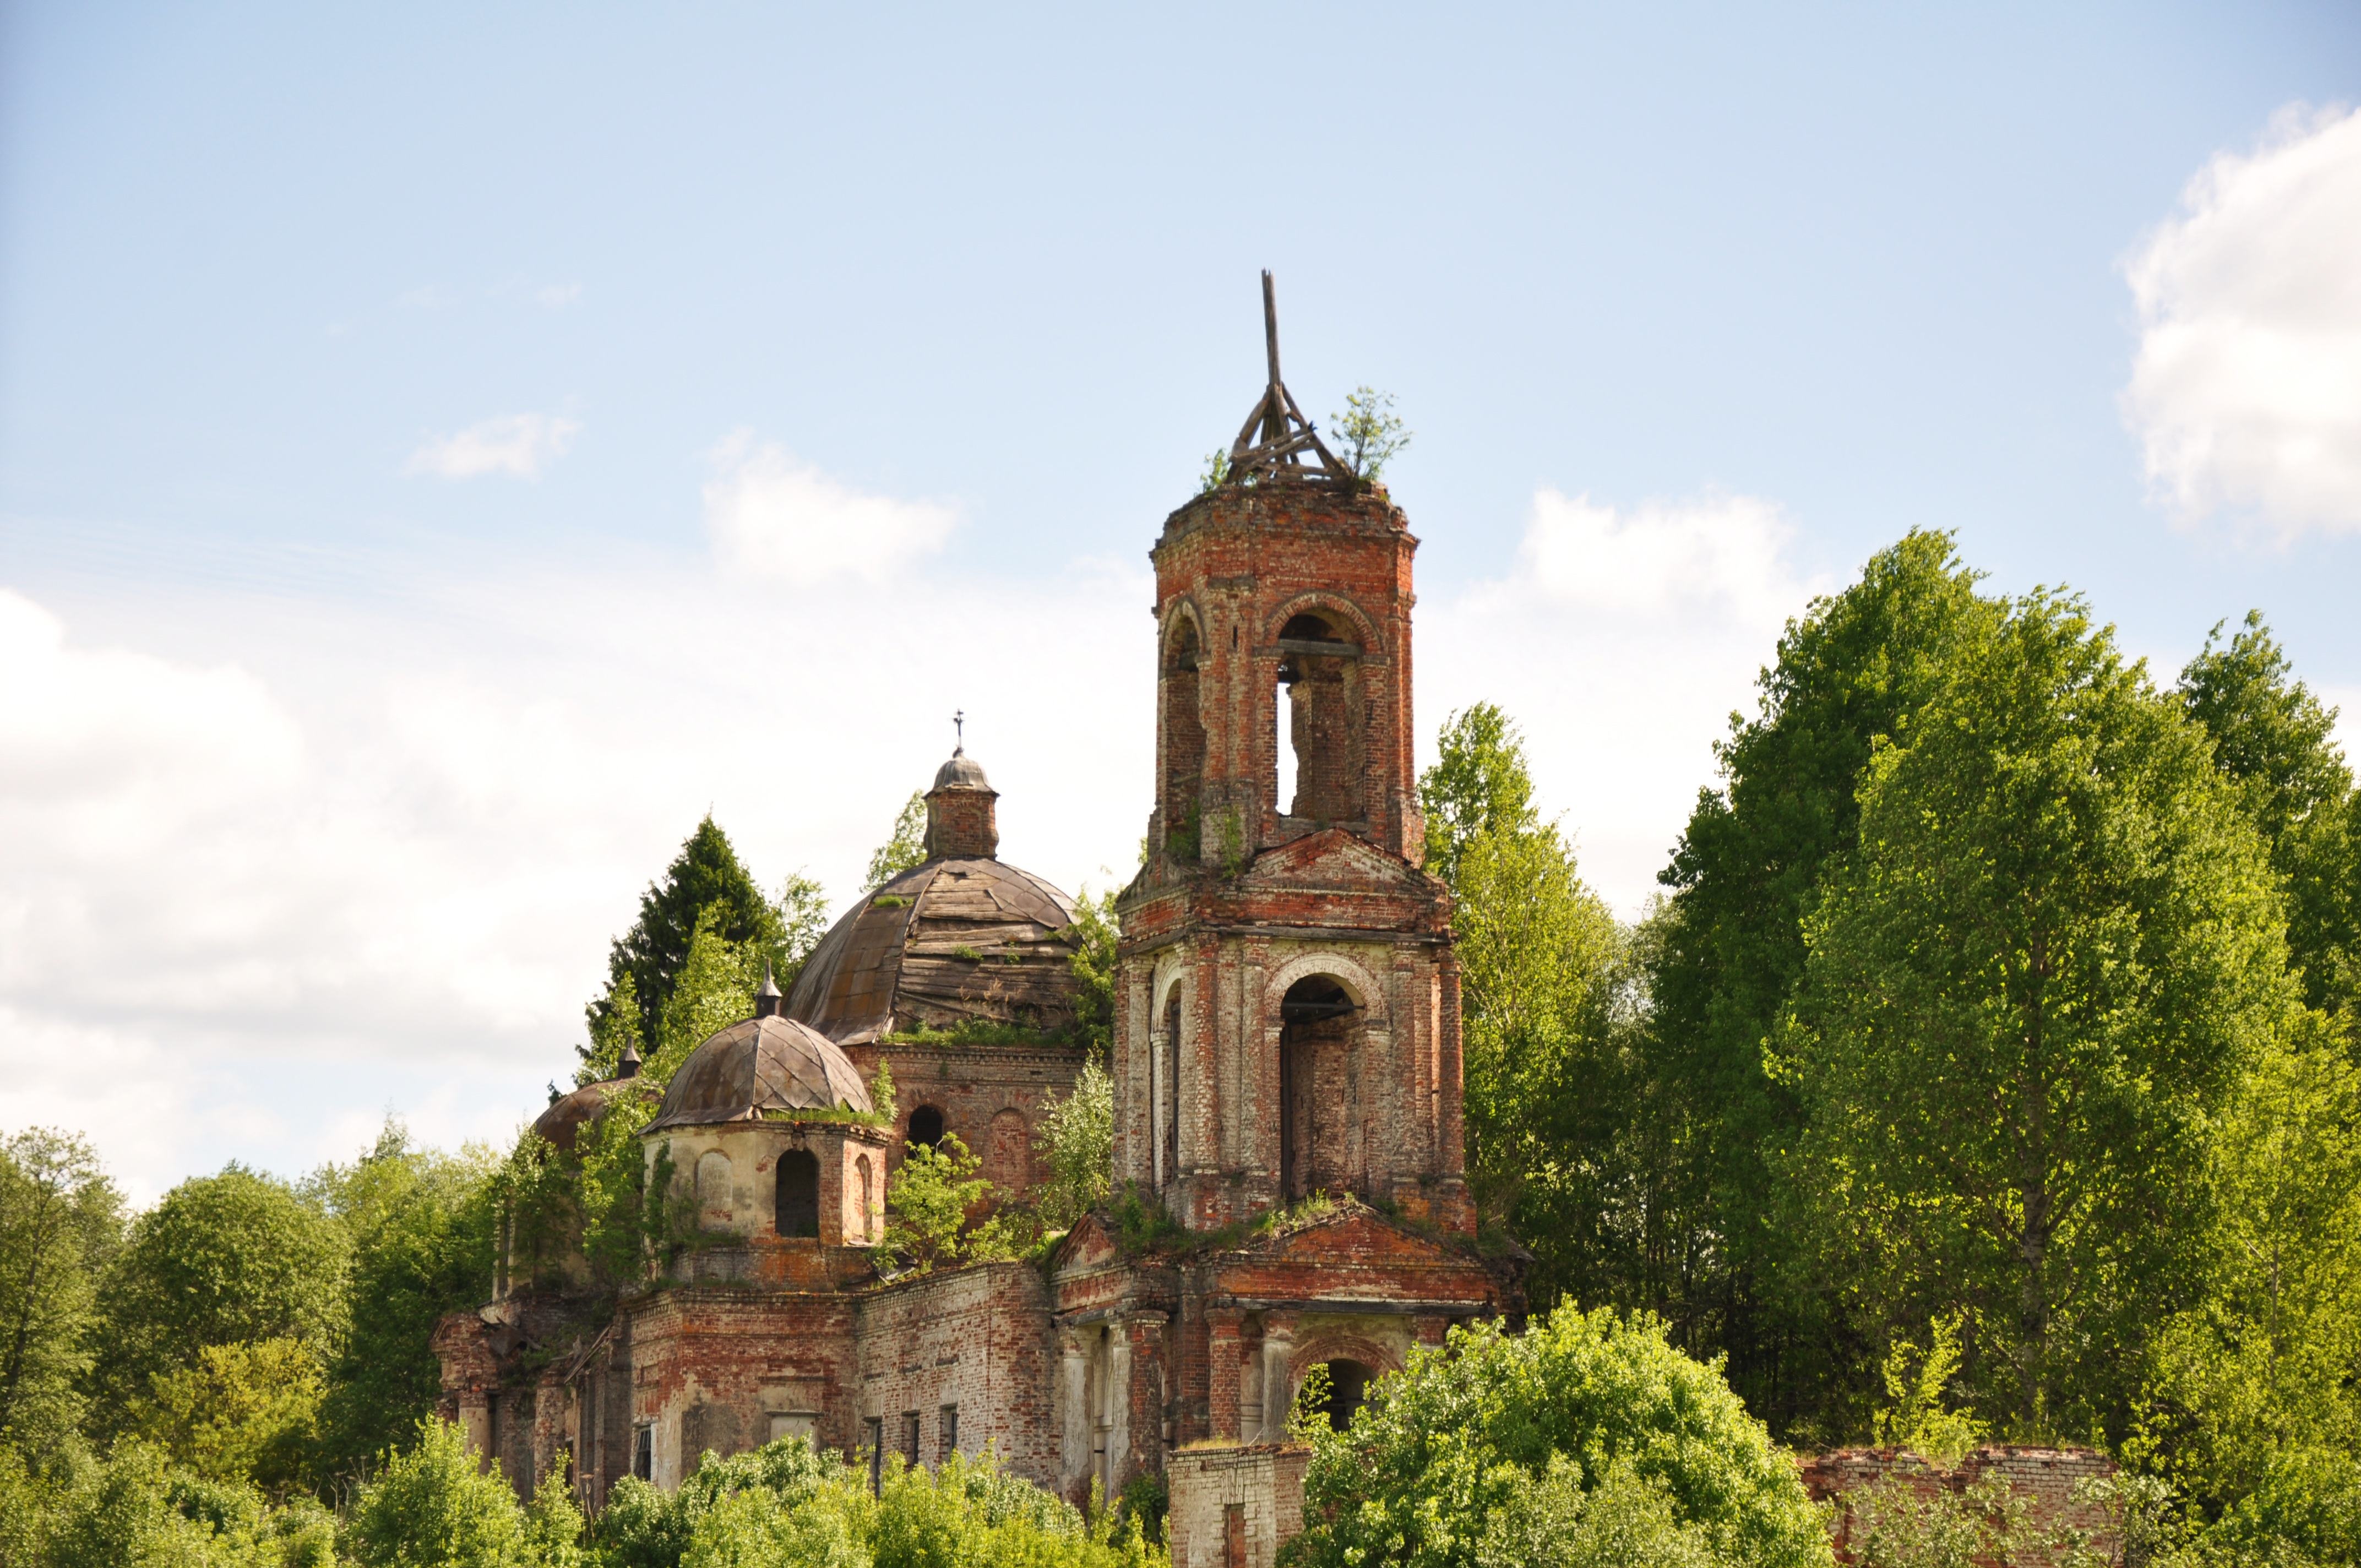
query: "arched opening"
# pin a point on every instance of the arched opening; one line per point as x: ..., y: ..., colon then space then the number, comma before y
x: 868, y: 1229
x: 1319, y: 767
x: 796, y: 1213
x: 1168, y: 1094
x: 1184, y: 739
x: 1008, y: 1156
x: 1314, y: 1043
x: 926, y: 1126
x: 1348, y: 1387
x: 713, y: 1187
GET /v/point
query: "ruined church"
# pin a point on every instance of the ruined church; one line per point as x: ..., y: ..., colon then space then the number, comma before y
x: 1286, y: 1029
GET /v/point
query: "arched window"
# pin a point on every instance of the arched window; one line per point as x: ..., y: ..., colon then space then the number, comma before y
x: 1319, y: 754
x: 1184, y: 738
x: 1348, y: 1387
x: 925, y: 1125
x: 797, y: 1212
x: 713, y: 1186
x: 1167, y: 1093
x: 868, y: 1200
x: 1316, y: 1020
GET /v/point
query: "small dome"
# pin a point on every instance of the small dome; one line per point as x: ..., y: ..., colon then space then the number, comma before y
x: 567, y: 1116
x: 758, y: 1064
x: 962, y: 771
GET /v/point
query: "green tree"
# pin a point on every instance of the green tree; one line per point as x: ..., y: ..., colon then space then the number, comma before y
x: 1094, y: 933
x: 61, y: 1222
x: 1453, y: 1454
x: 1479, y: 785
x: 1543, y: 978
x: 220, y: 1260
x: 1368, y: 434
x: 706, y: 882
x: 1077, y: 1143
x: 2273, y: 737
x: 903, y: 848
x: 239, y: 1412
x: 1725, y: 955
x: 2049, y: 959
x: 2260, y: 1381
x: 929, y: 1203
x: 422, y: 1227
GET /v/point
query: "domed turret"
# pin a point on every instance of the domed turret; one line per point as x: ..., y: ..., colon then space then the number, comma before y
x: 764, y: 1063
x: 964, y: 935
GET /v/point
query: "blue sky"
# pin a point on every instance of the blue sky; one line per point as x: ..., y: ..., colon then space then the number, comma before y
x: 393, y: 407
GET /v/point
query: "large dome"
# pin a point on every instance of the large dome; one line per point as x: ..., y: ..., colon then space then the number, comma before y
x: 949, y: 940
x: 761, y: 1064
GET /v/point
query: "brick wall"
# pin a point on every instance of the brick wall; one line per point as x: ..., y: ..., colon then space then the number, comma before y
x: 976, y: 1338
x: 2045, y: 1478
x: 1233, y: 1507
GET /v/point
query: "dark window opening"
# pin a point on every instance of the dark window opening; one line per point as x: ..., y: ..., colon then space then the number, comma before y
x: 1169, y: 1091
x: 926, y: 1127
x: 872, y: 1437
x: 797, y: 1212
x: 1348, y: 1385
x: 644, y: 1451
x: 910, y: 1437
x: 1183, y: 740
x: 1309, y: 629
x: 946, y: 1432
x: 1315, y: 1031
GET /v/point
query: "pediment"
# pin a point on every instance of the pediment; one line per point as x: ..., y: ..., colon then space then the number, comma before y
x: 1332, y: 855
x: 1087, y: 1245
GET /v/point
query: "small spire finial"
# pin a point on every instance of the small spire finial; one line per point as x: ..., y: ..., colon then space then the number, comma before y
x: 629, y: 1067
x: 766, y: 1000
x: 958, y: 733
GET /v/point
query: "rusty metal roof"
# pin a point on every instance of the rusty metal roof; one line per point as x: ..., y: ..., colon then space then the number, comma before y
x: 948, y: 940
x: 567, y: 1116
x: 758, y: 1064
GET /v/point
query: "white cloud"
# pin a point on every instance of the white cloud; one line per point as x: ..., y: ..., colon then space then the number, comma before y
x: 512, y: 443
x: 293, y: 860
x: 1620, y: 641
x: 558, y: 296
x: 2245, y: 392
x: 774, y: 517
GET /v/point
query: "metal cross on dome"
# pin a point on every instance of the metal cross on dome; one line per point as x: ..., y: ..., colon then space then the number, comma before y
x: 1278, y: 441
x: 958, y: 733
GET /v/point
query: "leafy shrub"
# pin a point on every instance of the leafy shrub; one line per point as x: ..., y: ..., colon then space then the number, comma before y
x: 432, y: 1509
x: 1450, y: 1459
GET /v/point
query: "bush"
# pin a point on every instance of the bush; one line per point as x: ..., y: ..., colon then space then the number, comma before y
x: 432, y: 1509
x: 1590, y: 1427
x: 786, y: 1506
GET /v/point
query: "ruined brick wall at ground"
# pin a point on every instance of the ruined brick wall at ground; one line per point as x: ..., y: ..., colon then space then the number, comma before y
x: 2046, y: 1479
x: 1232, y: 1508
x: 977, y: 1339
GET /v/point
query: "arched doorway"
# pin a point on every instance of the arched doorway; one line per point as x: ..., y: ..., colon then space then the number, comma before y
x: 796, y: 1213
x: 1316, y: 1020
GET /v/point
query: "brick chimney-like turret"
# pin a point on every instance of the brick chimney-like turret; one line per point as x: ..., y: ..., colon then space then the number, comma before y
x: 960, y: 823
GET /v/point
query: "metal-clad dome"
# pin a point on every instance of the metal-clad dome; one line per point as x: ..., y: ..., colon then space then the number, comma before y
x: 962, y: 771
x: 944, y: 941
x: 758, y: 1064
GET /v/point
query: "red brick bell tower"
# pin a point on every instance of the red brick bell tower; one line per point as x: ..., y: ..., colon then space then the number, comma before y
x: 1289, y: 1006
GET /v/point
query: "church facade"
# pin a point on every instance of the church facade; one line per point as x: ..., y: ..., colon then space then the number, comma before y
x: 1288, y: 1151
